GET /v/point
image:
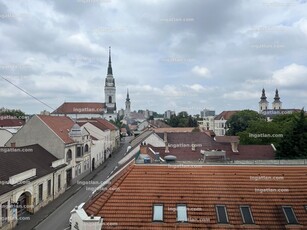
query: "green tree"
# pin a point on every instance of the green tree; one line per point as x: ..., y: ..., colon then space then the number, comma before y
x: 294, y: 142
x: 239, y: 122
x: 13, y: 112
x: 262, y: 132
x: 183, y: 119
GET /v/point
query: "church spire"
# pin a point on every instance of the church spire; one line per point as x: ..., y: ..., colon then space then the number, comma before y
x: 127, y: 99
x: 110, y: 72
x: 263, y: 97
x: 276, y: 98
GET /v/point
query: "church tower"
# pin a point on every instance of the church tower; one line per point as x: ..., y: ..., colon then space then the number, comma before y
x: 128, y: 104
x: 276, y: 103
x: 110, y: 93
x: 263, y: 103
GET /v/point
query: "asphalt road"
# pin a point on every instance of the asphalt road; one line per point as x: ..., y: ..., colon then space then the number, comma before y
x: 59, y: 219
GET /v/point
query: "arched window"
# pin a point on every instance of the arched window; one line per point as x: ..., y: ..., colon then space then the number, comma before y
x: 69, y: 155
x: 110, y: 99
x: 86, y: 148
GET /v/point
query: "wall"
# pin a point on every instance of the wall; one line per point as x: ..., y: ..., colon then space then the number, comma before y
x: 36, y: 132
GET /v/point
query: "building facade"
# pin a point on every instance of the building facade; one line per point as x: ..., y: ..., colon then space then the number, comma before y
x: 30, y: 178
x: 63, y: 138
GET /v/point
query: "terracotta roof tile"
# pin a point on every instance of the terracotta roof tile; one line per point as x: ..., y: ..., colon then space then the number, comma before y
x: 10, y: 122
x: 173, y: 130
x: 80, y: 108
x: 177, y: 141
x: 226, y: 115
x: 201, y: 188
x: 60, y: 125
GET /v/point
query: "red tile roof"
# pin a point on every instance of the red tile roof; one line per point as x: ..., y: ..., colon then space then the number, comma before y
x: 226, y: 115
x: 93, y: 122
x: 128, y: 201
x: 158, y: 124
x: 107, y: 124
x: 80, y: 108
x: 227, y: 139
x: 204, y: 142
x: 10, y: 122
x: 174, y: 130
x: 99, y: 123
x: 60, y: 125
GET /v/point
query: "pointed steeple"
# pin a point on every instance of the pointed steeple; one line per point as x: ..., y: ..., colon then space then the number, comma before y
x: 276, y: 98
x: 263, y: 97
x: 110, y: 72
x: 127, y: 99
x: 263, y: 103
x: 277, y: 104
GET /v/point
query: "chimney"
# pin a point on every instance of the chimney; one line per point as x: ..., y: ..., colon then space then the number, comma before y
x: 143, y: 149
x: 166, y: 147
x: 165, y: 136
x: 234, y: 146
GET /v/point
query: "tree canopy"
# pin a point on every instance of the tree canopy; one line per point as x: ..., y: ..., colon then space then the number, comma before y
x: 239, y: 122
x: 183, y: 119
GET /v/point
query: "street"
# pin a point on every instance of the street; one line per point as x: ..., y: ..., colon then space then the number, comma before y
x: 59, y: 219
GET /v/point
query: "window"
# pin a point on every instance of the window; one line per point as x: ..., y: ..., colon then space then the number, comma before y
x: 157, y: 212
x: 59, y: 182
x: 68, y: 155
x: 4, y: 212
x: 246, y: 215
x: 290, y: 215
x: 79, y: 153
x: 110, y: 100
x: 49, y: 187
x: 222, y: 217
x: 182, y: 215
x: 40, y: 193
x: 86, y: 148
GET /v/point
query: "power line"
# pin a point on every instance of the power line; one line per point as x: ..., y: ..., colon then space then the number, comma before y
x: 26, y: 92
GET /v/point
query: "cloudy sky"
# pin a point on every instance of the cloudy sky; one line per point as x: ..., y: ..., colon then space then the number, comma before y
x: 171, y: 54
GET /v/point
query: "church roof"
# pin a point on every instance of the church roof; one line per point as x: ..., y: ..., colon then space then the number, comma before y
x: 80, y: 108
